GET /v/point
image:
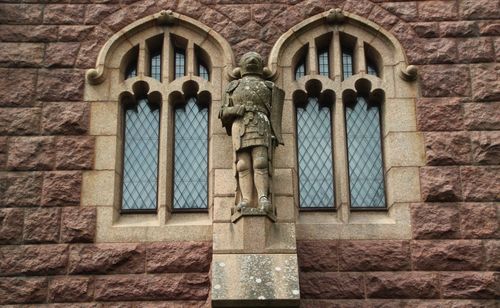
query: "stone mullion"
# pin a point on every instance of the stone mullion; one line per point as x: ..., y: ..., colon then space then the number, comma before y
x: 336, y: 56
x: 190, y: 59
x: 141, y: 65
x: 359, y: 61
x: 341, y: 169
x: 312, y: 59
x: 165, y: 58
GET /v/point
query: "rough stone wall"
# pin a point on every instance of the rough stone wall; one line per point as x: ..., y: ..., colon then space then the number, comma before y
x: 48, y: 255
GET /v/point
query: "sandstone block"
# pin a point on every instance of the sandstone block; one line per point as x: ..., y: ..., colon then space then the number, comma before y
x: 407, y: 11
x: 74, y: 153
x: 63, y: 14
x: 358, y: 256
x: 61, y: 54
x: 432, y: 51
x: 470, y: 285
x: 358, y: 7
x: 189, y: 286
x: 485, y: 82
x: 437, y: 10
x: 486, y: 148
x: 20, y: 188
x: 265, y: 13
x: 442, y: 80
x: 19, y: 121
x: 21, y: 54
x: 331, y: 285
x: 70, y: 289
x: 318, y: 256
x: 61, y: 188
x: 492, y: 260
x: 482, y: 116
x: 31, y: 153
x: 78, y: 225
x: 383, y: 18
x: 435, y: 221
x: 447, y: 148
x: 438, y: 114
x: 240, y: 14
x: 89, y: 49
x: 179, y: 257
x: 11, y: 227
x: 73, y: 33
x: 42, y: 225
x: 479, y: 220
x: 27, y: 33
x: 480, y: 183
x: 33, y: 260
x: 478, y: 9
x: 440, y: 183
x: 458, y: 28
x: 17, y: 87
x: 426, y: 29
x: 65, y: 118
x: 24, y: 14
x: 476, y: 50
x: 95, y: 13
x: 3, y: 153
x: 456, y: 255
x: 60, y: 85
x: 107, y: 258
x: 23, y: 290
x: 402, y: 285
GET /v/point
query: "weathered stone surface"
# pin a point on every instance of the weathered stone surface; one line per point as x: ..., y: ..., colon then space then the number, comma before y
x: 482, y: 116
x: 179, y: 257
x: 90, y: 47
x: 332, y: 285
x: 435, y: 221
x: 426, y: 29
x: 61, y: 54
x: 4, y: 141
x: 42, y: 225
x: 458, y: 28
x: 60, y: 85
x: 479, y: 220
x: 19, y: 121
x: 21, y: 14
x: 11, y: 226
x: 26, y: 33
x: 402, y: 285
x: 407, y: 11
x: 240, y: 14
x: 20, y: 189
x: 74, y: 153
x: 480, y: 183
x: 445, y: 148
x: 439, y: 114
x: 17, y: 87
x: 492, y: 250
x: 97, y: 12
x: 63, y: 14
x: 265, y: 13
x: 107, y: 258
x: 453, y: 255
x: 432, y: 51
x: 61, y: 188
x: 73, y: 33
x: 486, y: 148
x: 23, y: 290
x: 489, y: 28
x: 78, y: 225
x: 485, y: 82
x: 287, y: 19
x: 318, y: 256
x: 31, y: 153
x: 437, y: 10
x: 475, y: 50
x: 70, y: 289
x: 477, y: 9
x: 440, y: 183
x: 358, y: 256
x: 21, y: 54
x: 362, y: 8
x: 441, y: 80
x: 65, y: 118
x: 190, y: 286
x: 33, y: 260
x: 470, y: 285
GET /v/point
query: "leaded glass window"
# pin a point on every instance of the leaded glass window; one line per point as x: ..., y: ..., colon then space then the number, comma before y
x: 323, y: 64
x: 131, y: 70
x: 347, y: 66
x: 371, y: 69
x: 155, y: 65
x: 180, y: 63
x: 300, y: 70
x: 314, y: 143
x: 140, y: 152
x: 203, y: 71
x: 364, y: 147
x: 191, y: 157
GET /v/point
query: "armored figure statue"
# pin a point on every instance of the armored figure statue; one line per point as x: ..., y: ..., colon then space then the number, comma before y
x: 251, y: 113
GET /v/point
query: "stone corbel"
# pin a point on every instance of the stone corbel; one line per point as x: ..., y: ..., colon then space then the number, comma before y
x: 408, y: 73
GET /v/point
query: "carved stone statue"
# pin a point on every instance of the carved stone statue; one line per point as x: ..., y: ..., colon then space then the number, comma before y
x: 251, y: 113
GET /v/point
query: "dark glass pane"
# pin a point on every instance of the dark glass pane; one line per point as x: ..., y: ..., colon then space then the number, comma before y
x: 156, y: 65
x: 203, y: 72
x: 366, y: 171
x: 191, y: 161
x: 314, y: 140
x: 140, y: 164
x: 131, y: 70
x: 180, y: 63
x: 371, y: 69
x: 347, y: 67
x: 323, y: 63
x: 300, y: 71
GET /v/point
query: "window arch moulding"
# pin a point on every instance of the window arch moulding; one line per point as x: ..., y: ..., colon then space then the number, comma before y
x: 172, y: 67
x: 339, y: 60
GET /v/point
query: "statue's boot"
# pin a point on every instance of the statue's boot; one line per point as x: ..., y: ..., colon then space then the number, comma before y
x: 246, y: 188
x: 262, y: 186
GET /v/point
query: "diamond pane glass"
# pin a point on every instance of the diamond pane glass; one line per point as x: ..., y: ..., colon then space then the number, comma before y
x: 191, y: 157
x: 314, y: 140
x: 140, y: 163
x: 323, y: 63
x: 156, y: 65
x: 347, y: 67
x: 179, y: 63
x: 203, y: 71
x: 366, y: 172
x: 300, y: 71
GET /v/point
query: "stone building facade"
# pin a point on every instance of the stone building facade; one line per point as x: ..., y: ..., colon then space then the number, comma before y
x: 64, y: 243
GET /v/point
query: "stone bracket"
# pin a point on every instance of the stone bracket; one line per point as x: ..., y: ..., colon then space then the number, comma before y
x: 250, y: 211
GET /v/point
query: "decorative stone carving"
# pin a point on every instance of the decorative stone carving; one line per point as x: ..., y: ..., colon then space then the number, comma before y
x: 251, y: 113
x: 335, y: 16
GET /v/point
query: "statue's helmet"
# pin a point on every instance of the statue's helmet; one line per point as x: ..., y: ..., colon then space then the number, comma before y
x: 251, y: 63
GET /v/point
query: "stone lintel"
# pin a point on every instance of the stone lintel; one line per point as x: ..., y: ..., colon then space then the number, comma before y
x: 255, y: 280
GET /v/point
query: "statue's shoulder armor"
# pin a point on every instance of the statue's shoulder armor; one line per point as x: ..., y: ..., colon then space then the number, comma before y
x: 269, y: 84
x: 232, y: 85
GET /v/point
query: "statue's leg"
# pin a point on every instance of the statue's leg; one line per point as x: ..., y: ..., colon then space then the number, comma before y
x: 243, y: 166
x: 261, y: 176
